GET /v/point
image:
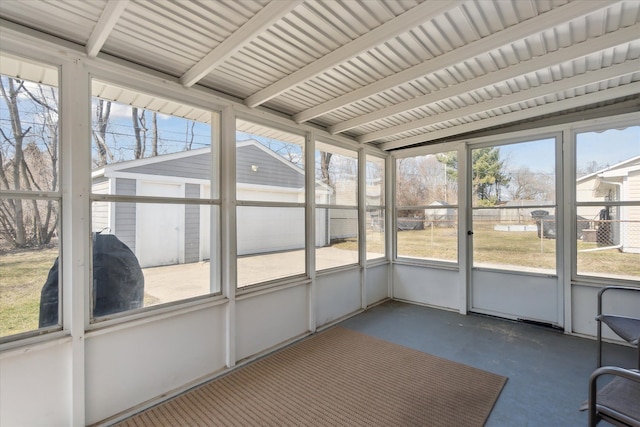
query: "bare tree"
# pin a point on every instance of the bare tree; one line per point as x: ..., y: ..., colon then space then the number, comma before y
x: 589, y: 168
x: 526, y: 184
x: 103, y: 112
x: 411, y: 189
x: 423, y: 180
x: 12, y: 213
x: 154, y: 134
x: 290, y: 151
x: 28, y: 162
x: 325, y: 162
x: 189, y: 134
x: 138, y: 132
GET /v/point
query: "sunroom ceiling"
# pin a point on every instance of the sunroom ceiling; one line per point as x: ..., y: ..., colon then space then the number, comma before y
x: 392, y: 73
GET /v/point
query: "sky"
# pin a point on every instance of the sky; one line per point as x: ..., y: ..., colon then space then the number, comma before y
x: 535, y: 155
x: 608, y: 148
x: 605, y: 148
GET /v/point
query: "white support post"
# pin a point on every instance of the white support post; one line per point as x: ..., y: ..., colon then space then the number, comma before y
x: 362, y: 224
x: 228, y: 227
x: 389, y: 219
x: 465, y: 223
x: 310, y: 214
x: 566, y: 257
x: 75, y: 156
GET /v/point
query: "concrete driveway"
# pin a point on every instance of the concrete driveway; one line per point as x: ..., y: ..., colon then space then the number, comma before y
x: 176, y: 282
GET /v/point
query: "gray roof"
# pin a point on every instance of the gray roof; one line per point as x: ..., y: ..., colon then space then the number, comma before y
x: 272, y: 170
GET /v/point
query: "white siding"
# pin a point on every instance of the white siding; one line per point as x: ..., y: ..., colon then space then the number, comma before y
x: 100, y: 210
x: 631, y: 214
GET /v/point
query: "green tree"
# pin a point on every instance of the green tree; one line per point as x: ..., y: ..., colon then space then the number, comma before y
x: 488, y: 173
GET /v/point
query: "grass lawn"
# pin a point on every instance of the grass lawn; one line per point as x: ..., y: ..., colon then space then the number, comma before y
x: 23, y: 273
x: 509, y: 249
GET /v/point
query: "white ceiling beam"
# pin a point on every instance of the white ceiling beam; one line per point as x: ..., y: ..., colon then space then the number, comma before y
x: 567, y: 54
x: 412, y: 18
x: 576, y: 81
x: 262, y: 20
x: 551, y: 108
x: 561, y: 15
x: 103, y: 28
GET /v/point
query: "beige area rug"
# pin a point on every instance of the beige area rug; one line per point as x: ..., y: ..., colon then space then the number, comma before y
x: 337, y: 378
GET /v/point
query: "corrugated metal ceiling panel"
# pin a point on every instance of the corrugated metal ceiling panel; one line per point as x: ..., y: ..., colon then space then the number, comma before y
x: 18, y: 67
x: 386, y: 73
x: 518, y: 85
x: 172, y: 36
x: 306, y: 34
x: 71, y: 20
x: 503, y: 57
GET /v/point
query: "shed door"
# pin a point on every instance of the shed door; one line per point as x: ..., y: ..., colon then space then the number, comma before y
x: 159, y: 227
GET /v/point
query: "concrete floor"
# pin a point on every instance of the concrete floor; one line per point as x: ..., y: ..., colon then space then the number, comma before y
x: 548, y: 371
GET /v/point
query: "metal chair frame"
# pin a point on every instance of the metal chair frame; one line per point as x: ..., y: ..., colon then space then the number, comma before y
x: 618, y: 402
x: 628, y: 328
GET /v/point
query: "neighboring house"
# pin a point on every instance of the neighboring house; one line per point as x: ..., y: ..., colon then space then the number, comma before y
x: 615, y: 183
x: 180, y: 233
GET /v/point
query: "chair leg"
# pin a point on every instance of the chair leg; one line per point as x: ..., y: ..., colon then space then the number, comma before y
x: 599, y: 364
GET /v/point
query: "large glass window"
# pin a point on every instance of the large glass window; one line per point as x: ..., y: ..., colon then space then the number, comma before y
x: 375, y: 207
x: 30, y: 198
x: 271, y: 191
x: 608, y: 203
x: 427, y: 207
x: 336, y: 206
x: 155, y: 207
x: 514, y: 206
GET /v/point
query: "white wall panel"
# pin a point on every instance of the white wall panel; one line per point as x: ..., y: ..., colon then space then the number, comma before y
x: 584, y: 302
x: 130, y: 366
x: 35, y: 385
x: 377, y: 283
x: 338, y: 293
x: 424, y: 285
x: 266, y: 320
x: 515, y: 296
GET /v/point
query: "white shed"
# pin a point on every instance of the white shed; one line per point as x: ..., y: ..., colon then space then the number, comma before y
x: 440, y: 215
x: 180, y: 233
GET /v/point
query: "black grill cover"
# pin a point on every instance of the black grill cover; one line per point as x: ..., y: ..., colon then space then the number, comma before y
x: 118, y: 283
